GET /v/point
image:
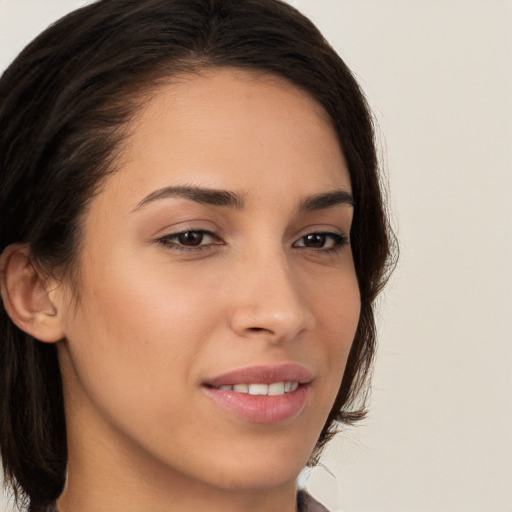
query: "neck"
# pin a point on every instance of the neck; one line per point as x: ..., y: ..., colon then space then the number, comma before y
x: 104, y: 477
x: 100, y: 492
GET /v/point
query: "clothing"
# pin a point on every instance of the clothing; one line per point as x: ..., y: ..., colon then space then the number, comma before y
x: 305, y: 503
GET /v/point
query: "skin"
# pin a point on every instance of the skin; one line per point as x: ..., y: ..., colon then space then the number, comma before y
x: 154, y: 318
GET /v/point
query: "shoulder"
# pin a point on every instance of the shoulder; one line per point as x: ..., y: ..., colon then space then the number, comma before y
x: 306, y: 503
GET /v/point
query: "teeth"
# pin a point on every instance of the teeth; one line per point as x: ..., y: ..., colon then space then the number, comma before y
x: 276, y: 388
x: 258, y: 389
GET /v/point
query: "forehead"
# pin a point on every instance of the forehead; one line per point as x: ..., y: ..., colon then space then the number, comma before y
x: 229, y: 128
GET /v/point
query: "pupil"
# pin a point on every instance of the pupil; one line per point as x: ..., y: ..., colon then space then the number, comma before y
x: 190, y: 238
x: 315, y: 240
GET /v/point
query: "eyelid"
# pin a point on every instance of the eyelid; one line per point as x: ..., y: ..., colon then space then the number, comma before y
x: 339, y: 240
x: 166, y: 240
x: 331, y: 234
x: 178, y: 226
x: 335, y: 238
x: 325, y: 228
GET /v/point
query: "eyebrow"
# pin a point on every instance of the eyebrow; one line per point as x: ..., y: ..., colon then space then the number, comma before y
x: 208, y: 196
x: 326, y: 200
x: 225, y: 198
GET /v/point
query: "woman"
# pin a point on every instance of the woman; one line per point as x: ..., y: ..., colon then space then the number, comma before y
x: 192, y: 239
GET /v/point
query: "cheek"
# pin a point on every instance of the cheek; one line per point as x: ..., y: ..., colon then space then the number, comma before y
x: 337, y: 306
x: 336, y: 302
x: 138, y: 333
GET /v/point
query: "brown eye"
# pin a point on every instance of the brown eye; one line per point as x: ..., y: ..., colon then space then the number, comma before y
x: 191, y: 238
x: 323, y: 241
x: 316, y: 240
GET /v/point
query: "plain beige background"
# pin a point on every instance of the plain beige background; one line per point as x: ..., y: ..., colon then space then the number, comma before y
x: 438, y: 74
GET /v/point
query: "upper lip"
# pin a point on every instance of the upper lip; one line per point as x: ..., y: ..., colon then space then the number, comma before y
x: 263, y: 374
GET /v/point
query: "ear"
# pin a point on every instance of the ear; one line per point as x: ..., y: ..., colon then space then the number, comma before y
x: 26, y: 295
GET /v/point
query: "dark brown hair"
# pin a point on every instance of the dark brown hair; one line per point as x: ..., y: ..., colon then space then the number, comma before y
x: 64, y: 103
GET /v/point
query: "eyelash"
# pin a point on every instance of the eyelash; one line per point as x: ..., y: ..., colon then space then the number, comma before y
x: 167, y: 240
x: 338, y: 241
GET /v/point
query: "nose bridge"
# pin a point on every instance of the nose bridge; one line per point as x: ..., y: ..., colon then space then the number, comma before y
x: 272, y: 301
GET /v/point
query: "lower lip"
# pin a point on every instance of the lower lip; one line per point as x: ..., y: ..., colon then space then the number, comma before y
x: 261, y: 408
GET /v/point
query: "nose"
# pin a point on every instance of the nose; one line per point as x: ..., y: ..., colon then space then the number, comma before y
x: 270, y: 302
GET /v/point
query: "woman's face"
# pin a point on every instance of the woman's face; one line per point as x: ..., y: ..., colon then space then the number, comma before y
x: 215, y: 266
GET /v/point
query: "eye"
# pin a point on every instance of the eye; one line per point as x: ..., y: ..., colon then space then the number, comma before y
x: 322, y: 241
x: 189, y: 240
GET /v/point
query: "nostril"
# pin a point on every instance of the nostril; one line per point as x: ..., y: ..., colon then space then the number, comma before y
x: 273, y: 321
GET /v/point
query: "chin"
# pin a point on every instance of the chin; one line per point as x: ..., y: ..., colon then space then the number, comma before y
x: 269, y: 469
x: 259, y: 479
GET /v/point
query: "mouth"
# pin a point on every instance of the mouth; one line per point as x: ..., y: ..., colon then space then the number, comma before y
x: 262, y: 394
x: 257, y: 389
x: 280, y: 377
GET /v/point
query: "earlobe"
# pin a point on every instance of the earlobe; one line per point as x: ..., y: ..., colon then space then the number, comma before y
x: 26, y: 296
